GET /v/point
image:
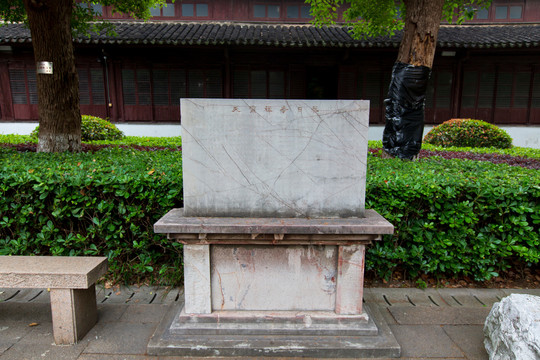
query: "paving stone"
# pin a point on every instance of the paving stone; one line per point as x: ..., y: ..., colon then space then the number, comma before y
x: 144, y: 313
x: 42, y: 351
x: 535, y: 292
x: 169, y: 296
x: 12, y: 332
x: 423, y: 315
x: 122, y: 338
x: 38, y: 343
x: 406, y: 297
x: 30, y: 312
x: 426, y: 297
x: 33, y: 295
x: 387, y: 316
x: 470, y: 297
x: 42, y: 334
x: 469, y: 338
x: 41, y: 296
x: 4, y: 347
x: 117, y: 357
x: 251, y: 358
x: 13, y: 294
x: 110, y: 312
x: 429, y: 341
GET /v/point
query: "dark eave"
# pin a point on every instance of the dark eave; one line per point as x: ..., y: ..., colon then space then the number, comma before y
x: 285, y: 35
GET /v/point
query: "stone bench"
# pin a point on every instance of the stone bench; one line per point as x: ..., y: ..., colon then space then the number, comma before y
x: 71, y: 281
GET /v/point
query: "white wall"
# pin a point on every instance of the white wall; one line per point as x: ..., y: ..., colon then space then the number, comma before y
x: 523, y: 136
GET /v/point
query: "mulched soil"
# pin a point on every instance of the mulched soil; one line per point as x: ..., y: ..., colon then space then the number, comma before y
x: 516, y: 278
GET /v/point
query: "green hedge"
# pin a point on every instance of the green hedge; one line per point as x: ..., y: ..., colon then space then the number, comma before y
x: 171, y: 142
x: 93, y: 204
x: 452, y: 217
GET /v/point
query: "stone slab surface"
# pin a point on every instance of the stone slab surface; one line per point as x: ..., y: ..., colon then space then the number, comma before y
x: 176, y: 222
x: 425, y: 341
x: 144, y: 313
x: 273, y: 277
x: 275, y: 322
x: 19, y: 312
x: 350, y: 279
x: 50, y: 271
x: 197, y: 279
x: 11, y: 332
x: 122, y: 338
x: 469, y: 338
x: 167, y: 343
x: 421, y: 315
x: 274, y: 158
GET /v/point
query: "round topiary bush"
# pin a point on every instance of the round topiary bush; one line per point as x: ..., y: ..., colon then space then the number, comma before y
x: 468, y: 133
x: 94, y: 128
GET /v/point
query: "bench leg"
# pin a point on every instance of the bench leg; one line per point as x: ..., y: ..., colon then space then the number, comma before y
x: 74, y: 313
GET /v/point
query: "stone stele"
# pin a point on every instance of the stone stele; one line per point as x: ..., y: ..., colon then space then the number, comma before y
x: 512, y: 328
x: 274, y: 158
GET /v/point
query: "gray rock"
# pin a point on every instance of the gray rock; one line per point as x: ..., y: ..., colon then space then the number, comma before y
x: 512, y: 328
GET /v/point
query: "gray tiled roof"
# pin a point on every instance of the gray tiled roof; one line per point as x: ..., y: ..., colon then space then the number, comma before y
x: 285, y: 35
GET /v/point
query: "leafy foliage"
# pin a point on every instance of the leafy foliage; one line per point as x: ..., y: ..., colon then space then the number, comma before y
x: 468, y: 132
x: 102, y: 203
x: 94, y: 128
x: 369, y: 18
x: 84, y: 16
x: 151, y: 142
x: 452, y: 217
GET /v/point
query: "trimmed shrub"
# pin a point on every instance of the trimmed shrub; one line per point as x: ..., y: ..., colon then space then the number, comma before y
x: 468, y: 133
x: 452, y: 217
x: 103, y: 203
x: 94, y: 128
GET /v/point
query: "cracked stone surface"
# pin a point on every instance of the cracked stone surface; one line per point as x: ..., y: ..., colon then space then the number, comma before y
x: 274, y: 158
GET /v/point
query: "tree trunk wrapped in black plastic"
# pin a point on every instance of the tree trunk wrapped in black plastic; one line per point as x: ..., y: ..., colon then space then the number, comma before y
x: 402, y: 136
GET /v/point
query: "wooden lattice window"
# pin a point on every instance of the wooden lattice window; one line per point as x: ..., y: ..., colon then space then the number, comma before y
x: 164, y: 87
x: 136, y: 86
x: 91, y: 86
x: 259, y: 84
x: 439, y: 91
x: 23, y: 86
x: 478, y: 89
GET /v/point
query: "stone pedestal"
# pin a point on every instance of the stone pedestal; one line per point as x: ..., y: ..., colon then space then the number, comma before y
x: 274, y: 228
x: 281, y: 280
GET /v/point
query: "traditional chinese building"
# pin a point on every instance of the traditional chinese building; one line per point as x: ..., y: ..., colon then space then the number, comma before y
x: 488, y: 68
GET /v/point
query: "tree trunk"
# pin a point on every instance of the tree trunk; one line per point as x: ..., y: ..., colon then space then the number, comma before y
x: 403, y: 132
x: 422, y: 22
x: 58, y: 93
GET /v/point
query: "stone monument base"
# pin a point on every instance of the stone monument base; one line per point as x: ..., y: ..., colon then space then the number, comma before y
x: 274, y: 287
x: 273, y: 322
x: 265, y: 333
